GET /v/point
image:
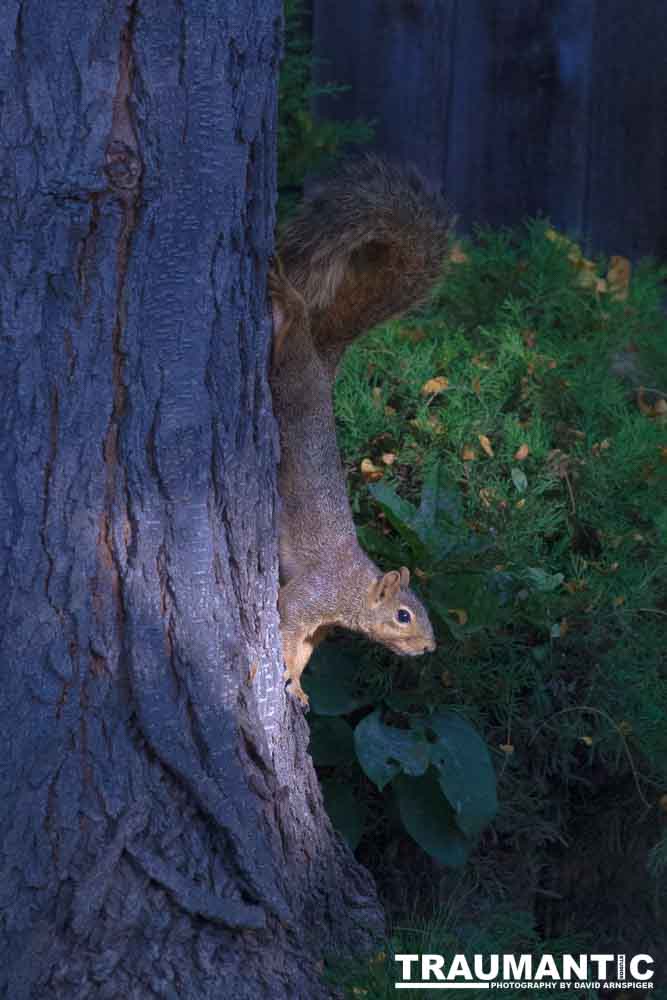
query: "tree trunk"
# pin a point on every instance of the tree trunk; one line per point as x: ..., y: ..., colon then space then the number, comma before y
x: 162, y: 832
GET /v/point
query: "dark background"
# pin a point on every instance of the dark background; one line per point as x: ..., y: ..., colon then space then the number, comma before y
x: 516, y: 107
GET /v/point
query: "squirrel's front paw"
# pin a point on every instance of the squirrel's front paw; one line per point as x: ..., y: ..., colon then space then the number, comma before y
x: 295, y: 689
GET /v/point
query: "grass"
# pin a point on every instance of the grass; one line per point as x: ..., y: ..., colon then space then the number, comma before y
x: 560, y: 467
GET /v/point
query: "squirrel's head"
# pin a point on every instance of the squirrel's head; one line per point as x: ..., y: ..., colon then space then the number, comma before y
x: 396, y: 617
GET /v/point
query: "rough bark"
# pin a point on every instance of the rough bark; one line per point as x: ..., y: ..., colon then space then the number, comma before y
x: 515, y: 107
x: 161, y: 829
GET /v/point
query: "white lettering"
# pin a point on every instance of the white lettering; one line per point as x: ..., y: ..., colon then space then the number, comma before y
x: 547, y: 967
x: 406, y: 961
x: 573, y: 969
x: 634, y: 967
x: 459, y: 967
x: 479, y: 967
x: 432, y: 966
x: 523, y: 969
x: 602, y: 961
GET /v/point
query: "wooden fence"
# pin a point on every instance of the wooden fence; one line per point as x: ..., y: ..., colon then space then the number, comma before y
x: 515, y: 107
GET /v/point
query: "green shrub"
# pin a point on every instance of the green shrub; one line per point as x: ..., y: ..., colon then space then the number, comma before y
x: 525, y: 486
x: 306, y: 144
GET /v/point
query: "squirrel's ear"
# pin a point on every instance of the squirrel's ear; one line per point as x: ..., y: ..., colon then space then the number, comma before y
x: 385, y: 587
x: 405, y: 577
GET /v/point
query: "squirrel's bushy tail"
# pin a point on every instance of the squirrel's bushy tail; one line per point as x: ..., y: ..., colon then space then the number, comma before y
x: 365, y: 245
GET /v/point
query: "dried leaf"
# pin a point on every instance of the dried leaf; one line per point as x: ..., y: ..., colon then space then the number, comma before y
x: 618, y: 601
x: 618, y: 278
x: 389, y: 458
x: 522, y: 453
x: 588, y: 740
x: 460, y: 614
x: 370, y: 472
x: 520, y: 503
x: 486, y: 444
x: 435, y: 386
x: 507, y: 748
x: 469, y: 454
x: 414, y: 335
x: 390, y: 411
x: 446, y: 679
x: 457, y: 256
x: 376, y: 393
x: 477, y: 387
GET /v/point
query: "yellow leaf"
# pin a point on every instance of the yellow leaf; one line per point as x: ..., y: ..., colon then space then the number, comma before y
x: 370, y: 473
x: 389, y: 458
x: 520, y: 503
x: 389, y: 411
x: 376, y: 393
x: 486, y: 495
x: 434, y: 386
x: 588, y: 740
x: 457, y: 256
x: 486, y: 444
x: 469, y: 454
x: 477, y: 386
x: 460, y: 614
x: 507, y: 748
x: 618, y: 278
x: 521, y: 453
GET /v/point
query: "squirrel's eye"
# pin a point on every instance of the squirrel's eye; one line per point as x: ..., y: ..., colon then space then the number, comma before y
x: 403, y: 616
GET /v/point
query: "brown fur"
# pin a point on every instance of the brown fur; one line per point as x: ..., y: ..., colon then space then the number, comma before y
x: 365, y: 248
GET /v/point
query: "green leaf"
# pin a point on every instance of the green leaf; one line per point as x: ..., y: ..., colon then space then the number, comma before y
x: 519, y: 479
x: 384, y: 751
x: 543, y: 582
x: 440, y: 499
x: 331, y: 742
x: 331, y: 680
x: 465, y: 772
x: 346, y: 812
x: 400, y: 513
x: 429, y: 819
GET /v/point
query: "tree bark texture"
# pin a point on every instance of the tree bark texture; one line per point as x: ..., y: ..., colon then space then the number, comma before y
x: 162, y: 832
x: 515, y: 107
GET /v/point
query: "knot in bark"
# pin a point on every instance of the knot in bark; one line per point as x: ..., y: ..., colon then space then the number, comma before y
x: 122, y: 166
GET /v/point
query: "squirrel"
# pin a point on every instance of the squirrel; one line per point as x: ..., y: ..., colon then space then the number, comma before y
x: 366, y: 247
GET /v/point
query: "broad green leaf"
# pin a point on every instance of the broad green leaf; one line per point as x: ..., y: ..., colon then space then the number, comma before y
x: 465, y: 772
x: 542, y: 581
x: 331, y: 680
x: 429, y: 819
x: 440, y: 499
x: 346, y: 812
x: 520, y: 480
x: 385, y: 546
x: 400, y: 513
x: 331, y: 741
x: 384, y: 751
